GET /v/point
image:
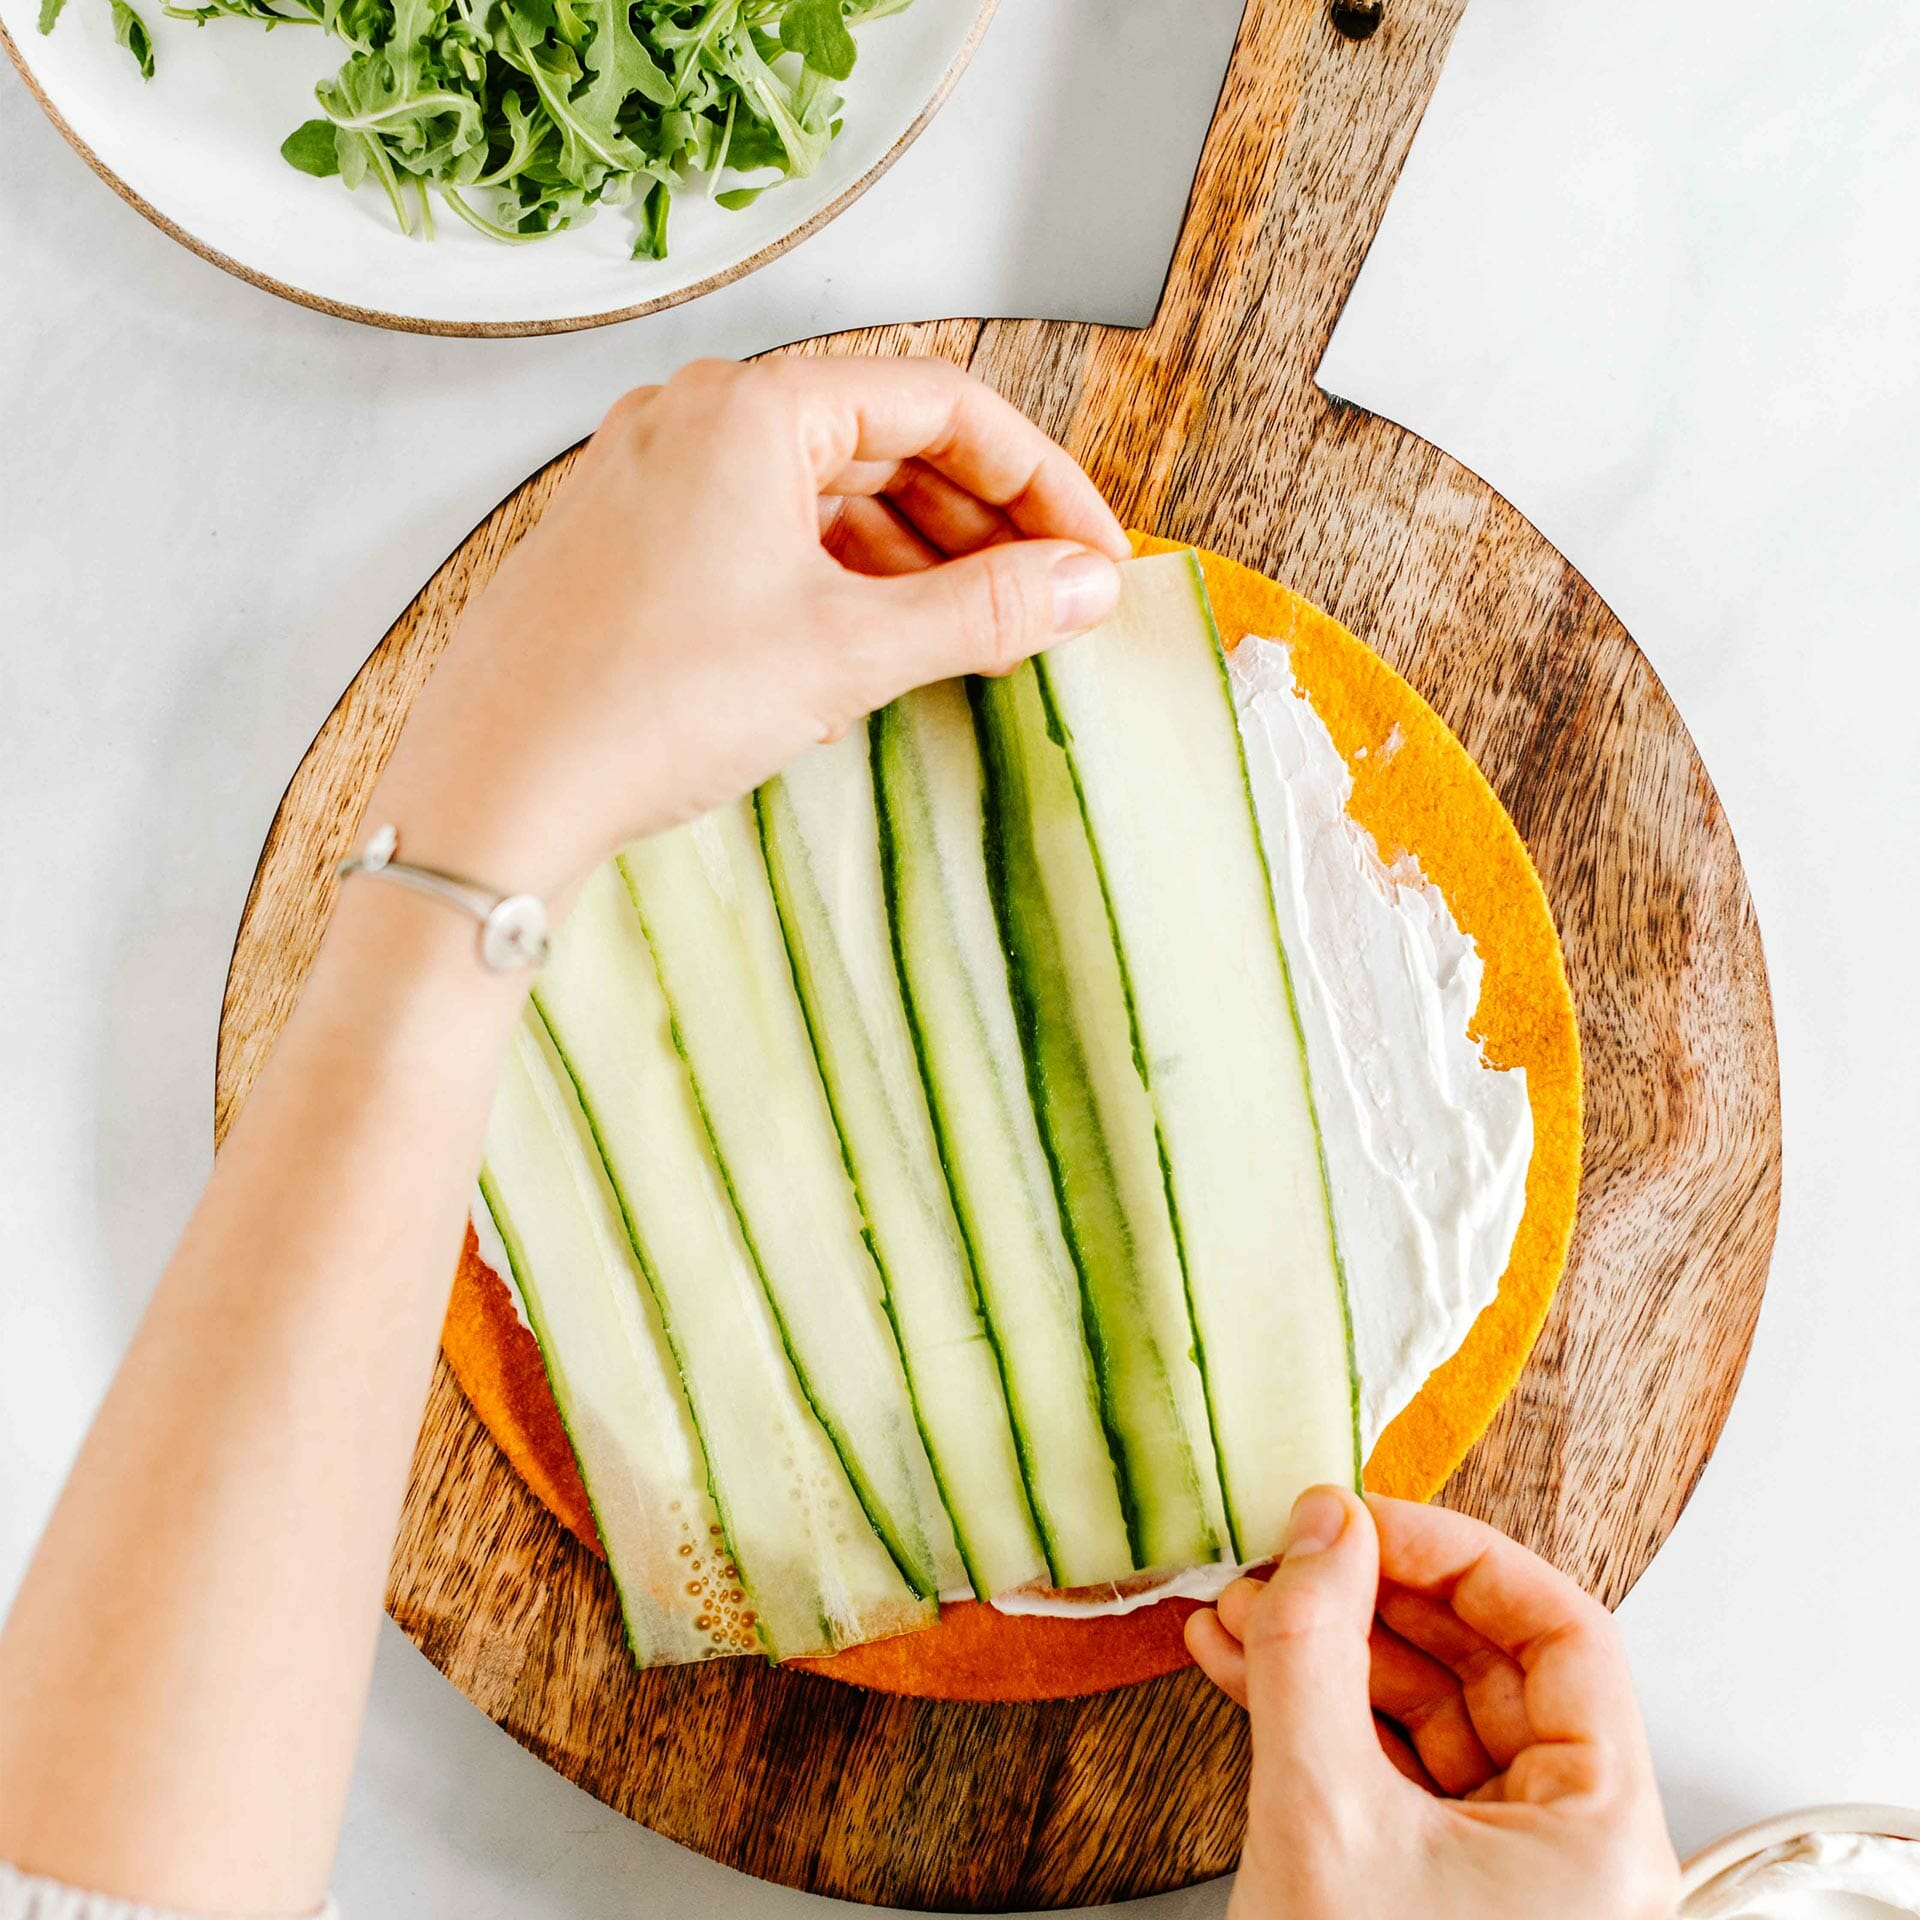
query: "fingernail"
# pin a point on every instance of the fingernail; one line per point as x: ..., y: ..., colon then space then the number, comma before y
x: 1085, y: 586
x: 1319, y: 1519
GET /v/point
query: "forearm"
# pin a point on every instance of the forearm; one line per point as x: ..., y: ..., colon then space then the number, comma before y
x: 182, y: 1678
x: 184, y: 1673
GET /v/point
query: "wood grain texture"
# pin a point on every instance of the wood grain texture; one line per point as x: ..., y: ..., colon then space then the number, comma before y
x: 1207, y: 427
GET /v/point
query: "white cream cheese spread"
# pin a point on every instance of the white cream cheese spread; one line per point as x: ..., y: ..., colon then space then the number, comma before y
x: 1820, y: 1876
x: 1427, y: 1146
x: 493, y: 1253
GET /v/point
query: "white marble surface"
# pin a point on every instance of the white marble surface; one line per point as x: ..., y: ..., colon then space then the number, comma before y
x: 1651, y: 271
x: 211, y: 505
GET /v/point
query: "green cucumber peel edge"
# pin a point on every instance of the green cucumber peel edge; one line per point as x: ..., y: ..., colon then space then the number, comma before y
x: 886, y: 721
x: 1060, y: 729
x: 503, y: 1226
x: 996, y: 767
x: 921, y: 1583
x: 638, y: 1243
x: 775, y: 864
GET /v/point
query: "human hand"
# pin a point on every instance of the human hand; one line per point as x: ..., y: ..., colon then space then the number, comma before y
x: 1442, y: 1725
x: 745, y: 561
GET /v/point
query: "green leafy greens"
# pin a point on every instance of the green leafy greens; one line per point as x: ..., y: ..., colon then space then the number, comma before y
x: 524, y: 116
x: 131, y: 31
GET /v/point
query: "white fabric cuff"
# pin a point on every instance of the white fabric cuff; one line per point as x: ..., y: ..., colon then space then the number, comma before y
x: 30, y: 1896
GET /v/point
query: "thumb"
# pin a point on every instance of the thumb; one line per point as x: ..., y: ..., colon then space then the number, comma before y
x: 1308, y: 1659
x: 987, y: 612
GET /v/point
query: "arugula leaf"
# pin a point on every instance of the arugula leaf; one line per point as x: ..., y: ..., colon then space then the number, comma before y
x: 755, y: 145
x: 588, y: 149
x: 264, y: 11
x: 650, y: 242
x: 131, y: 31
x: 49, y: 13
x: 312, y: 148
x: 774, y: 101
x: 619, y: 66
x: 416, y: 114
x: 817, y: 31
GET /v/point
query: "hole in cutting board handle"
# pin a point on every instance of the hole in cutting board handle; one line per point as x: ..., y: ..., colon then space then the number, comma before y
x: 1356, y: 19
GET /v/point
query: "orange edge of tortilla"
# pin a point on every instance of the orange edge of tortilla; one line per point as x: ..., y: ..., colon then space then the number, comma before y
x: 1416, y: 790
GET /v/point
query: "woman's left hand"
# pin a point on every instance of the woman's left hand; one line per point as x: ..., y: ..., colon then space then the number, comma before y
x: 698, y: 604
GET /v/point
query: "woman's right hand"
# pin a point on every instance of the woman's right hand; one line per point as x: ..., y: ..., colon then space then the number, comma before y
x: 1443, y: 1726
x: 745, y: 561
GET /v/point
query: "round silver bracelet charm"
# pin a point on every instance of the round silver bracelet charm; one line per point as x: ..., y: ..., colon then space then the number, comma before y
x: 513, y: 926
x: 514, y: 934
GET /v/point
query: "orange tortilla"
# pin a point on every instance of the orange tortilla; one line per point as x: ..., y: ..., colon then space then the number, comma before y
x: 1416, y: 790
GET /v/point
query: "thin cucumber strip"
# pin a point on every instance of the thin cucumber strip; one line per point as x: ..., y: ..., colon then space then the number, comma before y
x: 929, y: 783
x: 815, y: 1573
x: 1098, y: 1124
x: 612, y: 1373
x: 1143, y: 707
x: 820, y: 834
x: 707, y: 908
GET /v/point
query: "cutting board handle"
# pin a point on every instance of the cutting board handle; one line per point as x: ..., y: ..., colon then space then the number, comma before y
x: 1214, y: 400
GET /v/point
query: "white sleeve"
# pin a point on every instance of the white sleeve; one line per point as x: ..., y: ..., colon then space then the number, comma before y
x: 27, y: 1896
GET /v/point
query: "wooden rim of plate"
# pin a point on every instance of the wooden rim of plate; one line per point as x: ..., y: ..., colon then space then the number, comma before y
x: 506, y: 329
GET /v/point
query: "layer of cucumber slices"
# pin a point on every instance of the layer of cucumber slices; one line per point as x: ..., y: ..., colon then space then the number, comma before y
x: 820, y: 831
x: 703, y: 898
x: 932, y: 793
x: 815, y: 1573
x: 1098, y: 1122
x: 911, y: 1171
x: 613, y: 1374
x: 1145, y: 713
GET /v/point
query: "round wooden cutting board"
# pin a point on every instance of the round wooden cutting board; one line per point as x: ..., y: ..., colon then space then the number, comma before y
x: 1207, y: 428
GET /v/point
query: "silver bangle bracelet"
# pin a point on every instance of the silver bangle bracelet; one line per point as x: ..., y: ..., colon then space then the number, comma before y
x: 513, y: 926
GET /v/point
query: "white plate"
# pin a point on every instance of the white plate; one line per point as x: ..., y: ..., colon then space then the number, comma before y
x: 197, y: 150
